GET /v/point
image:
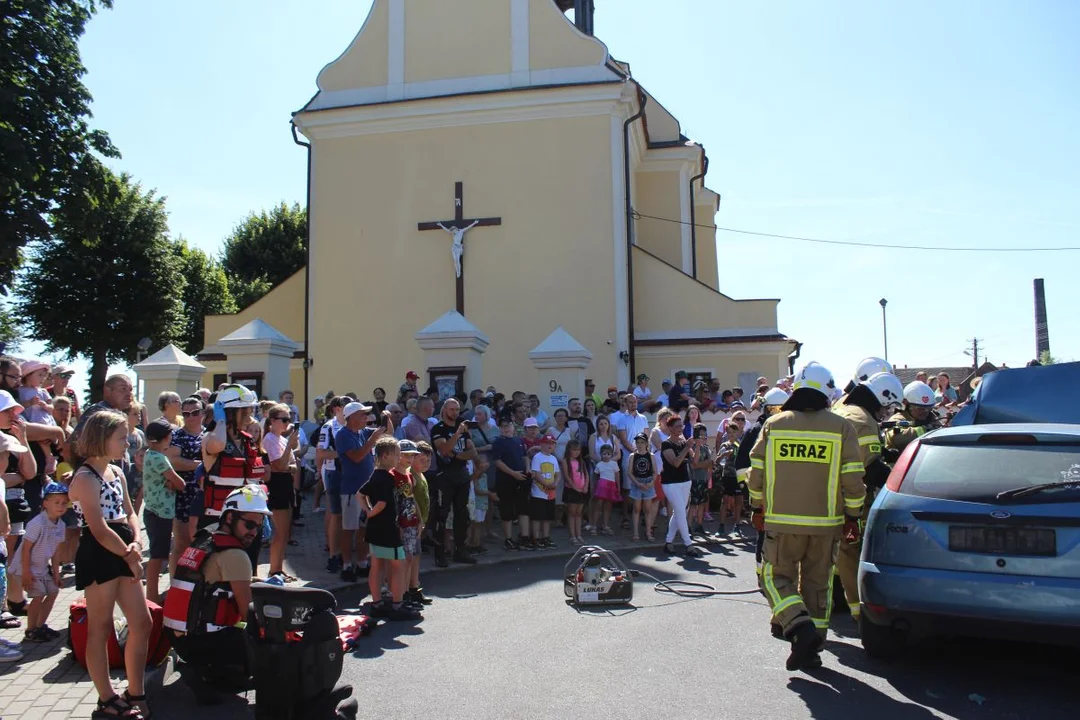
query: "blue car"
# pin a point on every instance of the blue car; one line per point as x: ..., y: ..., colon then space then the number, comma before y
x: 977, y: 532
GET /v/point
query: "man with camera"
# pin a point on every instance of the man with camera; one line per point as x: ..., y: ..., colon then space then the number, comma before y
x: 450, y: 486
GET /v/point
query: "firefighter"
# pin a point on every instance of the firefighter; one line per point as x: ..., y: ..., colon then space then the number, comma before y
x: 806, y: 489
x: 867, y: 368
x: 915, y: 418
x: 868, y: 403
x: 211, y: 590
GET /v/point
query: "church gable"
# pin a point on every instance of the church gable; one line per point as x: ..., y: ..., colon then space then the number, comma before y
x: 411, y: 49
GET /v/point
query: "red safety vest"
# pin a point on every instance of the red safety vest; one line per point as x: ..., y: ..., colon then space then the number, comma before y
x: 230, y: 472
x: 194, y: 606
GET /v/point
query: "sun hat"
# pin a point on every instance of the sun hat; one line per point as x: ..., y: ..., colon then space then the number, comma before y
x: 7, y: 402
x: 531, y: 422
x: 33, y: 366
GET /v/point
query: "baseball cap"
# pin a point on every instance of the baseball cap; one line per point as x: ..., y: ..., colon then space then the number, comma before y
x: 158, y: 430
x: 548, y: 439
x: 355, y: 407
x: 407, y: 447
x: 7, y: 402
x: 642, y: 437
x: 680, y: 374
x: 411, y: 375
x: 665, y: 381
x: 63, y: 370
x: 54, y: 488
x: 531, y: 422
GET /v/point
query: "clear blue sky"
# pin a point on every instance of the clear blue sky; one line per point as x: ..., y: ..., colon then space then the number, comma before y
x: 922, y: 123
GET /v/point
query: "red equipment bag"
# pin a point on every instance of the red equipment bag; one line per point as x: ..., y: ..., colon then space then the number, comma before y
x: 158, y: 646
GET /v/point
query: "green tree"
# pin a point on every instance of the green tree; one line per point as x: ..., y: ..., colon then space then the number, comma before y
x: 105, y: 277
x: 206, y: 292
x: 44, y: 108
x: 10, y: 330
x: 1047, y: 359
x: 264, y: 250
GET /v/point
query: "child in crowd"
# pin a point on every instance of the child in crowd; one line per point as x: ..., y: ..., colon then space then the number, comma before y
x: 160, y: 485
x: 700, y: 470
x: 724, y: 470
x: 575, y: 488
x: 421, y: 463
x: 408, y: 513
x: 643, y: 485
x: 531, y: 438
x: 37, y: 405
x: 36, y: 565
x: 607, y: 488
x: 474, y: 542
x: 512, y: 484
x: 545, y: 476
x: 384, y: 535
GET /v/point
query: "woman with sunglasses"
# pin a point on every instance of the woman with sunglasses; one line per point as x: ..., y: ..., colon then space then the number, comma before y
x: 279, y: 442
x: 676, y: 452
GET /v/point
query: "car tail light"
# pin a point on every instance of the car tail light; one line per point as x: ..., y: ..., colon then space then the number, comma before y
x: 896, y: 477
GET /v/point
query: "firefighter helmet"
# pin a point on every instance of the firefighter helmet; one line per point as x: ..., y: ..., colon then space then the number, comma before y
x: 886, y: 388
x: 247, y: 499
x: 237, y: 396
x: 776, y: 396
x: 919, y: 394
x: 815, y: 376
x: 871, y: 366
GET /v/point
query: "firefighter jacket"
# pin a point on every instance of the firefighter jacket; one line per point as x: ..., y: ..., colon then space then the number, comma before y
x: 806, y: 471
x: 866, y: 429
x: 899, y: 438
x: 192, y: 605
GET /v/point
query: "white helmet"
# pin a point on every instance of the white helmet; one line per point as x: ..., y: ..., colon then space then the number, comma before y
x: 247, y: 499
x: 886, y: 387
x: 776, y: 396
x: 237, y: 396
x: 871, y: 366
x: 815, y: 376
x: 920, y: 394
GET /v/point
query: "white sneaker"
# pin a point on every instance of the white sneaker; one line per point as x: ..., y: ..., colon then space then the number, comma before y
x: 10, y: 655
x: 5, y: 643
x: 319, y: 509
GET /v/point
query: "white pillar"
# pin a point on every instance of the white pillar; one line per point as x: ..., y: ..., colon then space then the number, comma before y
x: 169, y: 369
x: 259, y: 355
x: 561, y: 363
x: 452, y: 345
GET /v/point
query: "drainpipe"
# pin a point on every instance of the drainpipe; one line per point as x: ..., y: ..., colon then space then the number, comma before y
x: 693, y: 213
x: 642, y: 100
x: 307, y: 271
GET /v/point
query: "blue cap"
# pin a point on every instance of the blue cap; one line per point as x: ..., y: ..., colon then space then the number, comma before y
x: 665, y: 381
x: 54, y: 488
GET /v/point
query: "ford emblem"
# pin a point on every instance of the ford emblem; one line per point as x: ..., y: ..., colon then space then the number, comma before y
x: 1001, y: 514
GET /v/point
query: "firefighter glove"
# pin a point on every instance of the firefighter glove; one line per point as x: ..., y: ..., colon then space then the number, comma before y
x: 758, y: 519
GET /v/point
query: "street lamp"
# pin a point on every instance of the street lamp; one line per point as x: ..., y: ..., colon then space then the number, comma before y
x: 884, y: 327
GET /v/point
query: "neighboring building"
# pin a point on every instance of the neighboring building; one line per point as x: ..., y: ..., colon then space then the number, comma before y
x: 500, y: 111
x: 960, y: 377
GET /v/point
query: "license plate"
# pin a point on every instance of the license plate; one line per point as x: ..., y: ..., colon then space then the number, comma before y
x: 1003, y: 540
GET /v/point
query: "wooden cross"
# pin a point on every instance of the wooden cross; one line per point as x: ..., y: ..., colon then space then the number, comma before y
x: 457, y: 228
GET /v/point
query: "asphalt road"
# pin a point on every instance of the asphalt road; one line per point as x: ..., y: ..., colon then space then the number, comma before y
x: 500, y: 642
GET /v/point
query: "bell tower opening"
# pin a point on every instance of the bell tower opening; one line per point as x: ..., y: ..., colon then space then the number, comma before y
x: 584, y: 11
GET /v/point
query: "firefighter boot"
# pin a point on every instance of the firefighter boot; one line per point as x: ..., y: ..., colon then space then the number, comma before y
x: 805, y: 644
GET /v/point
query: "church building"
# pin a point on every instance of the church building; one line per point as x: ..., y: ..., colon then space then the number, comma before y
x: 494, y: 200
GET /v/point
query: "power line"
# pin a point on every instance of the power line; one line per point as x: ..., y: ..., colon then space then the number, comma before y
x: 851, y: 243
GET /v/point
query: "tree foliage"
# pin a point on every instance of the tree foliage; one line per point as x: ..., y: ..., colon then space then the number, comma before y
x: 264, y: 250
x: 44, y: 108
x: 105, y: 277
x: 206, y: 292
x: 10, y: 331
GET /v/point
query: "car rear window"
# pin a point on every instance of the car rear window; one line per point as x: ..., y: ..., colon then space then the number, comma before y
x: 980, y: 472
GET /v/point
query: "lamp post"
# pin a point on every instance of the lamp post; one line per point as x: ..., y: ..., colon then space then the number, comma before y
x: 884, y: 327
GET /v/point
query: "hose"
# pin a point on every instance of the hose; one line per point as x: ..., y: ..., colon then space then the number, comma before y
x: 688, y: 589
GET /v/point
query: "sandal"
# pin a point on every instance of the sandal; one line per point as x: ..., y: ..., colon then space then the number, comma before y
x: 9, y: 621
x: 138, y: 703
x: 116, y: 707
x: 284, y: 577
x: 635, y: 537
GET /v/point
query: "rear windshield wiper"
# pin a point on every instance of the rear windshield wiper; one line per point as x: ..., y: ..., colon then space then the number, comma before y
x: 1032, y: 489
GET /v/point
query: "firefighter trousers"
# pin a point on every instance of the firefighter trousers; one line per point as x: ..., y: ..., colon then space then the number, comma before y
x: 796, y: 574
x: 847, y: 562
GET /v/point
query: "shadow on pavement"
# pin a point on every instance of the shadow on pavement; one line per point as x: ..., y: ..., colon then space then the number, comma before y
x: 829, y: 694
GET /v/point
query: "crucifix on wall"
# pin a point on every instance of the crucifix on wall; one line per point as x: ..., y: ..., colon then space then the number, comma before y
x: 457, y: 229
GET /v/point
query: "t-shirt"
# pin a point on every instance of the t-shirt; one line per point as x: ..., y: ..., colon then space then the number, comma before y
x: 158, y: 497
x: 274, y: 446
x: 632, y: 425
x: 327, y: 435
x: 423, y: 498
x: 408, y: 512
x: 354, y: 474
x: 46, y: 535
x: 416, y: 429
x: 190, y: 449
x: 677, y: 399
x: 643, y: 394
x: 546, y: 467
x: 36, y: 413
x: 673, y: 473
x: 232, y: 565
x: 382, y: 530
x: 511, y: 450
x: 606, y: 470
x: 480, y: 484
x: 452, y: 464
x: 641, y: 468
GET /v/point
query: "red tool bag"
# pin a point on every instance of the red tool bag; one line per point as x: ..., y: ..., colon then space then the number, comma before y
x: 158, y: 645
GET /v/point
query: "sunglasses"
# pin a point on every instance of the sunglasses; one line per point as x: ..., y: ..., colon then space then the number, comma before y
x: 191, y: 413
x: 275, y: 419
x: 250, y: 525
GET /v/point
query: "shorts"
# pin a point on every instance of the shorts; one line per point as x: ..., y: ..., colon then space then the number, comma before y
x: 479, y: 514
x: 280, y: 489
x: 198, y: 503
x: 331, y: 482
x: 19, y: 510
x: 410, y: 540
x: 541, y: 509
x: 352, y: 513
x: 95, y: 564
x: 70, y: 519
x: 33, y: 489
x: 506, y: 489
x: 522, y: 495
x: 729, y: 485
x: 183, y: 501
x: 636, y: 493
x: 40, y: 587
x: 699, y: 490
x: 570, y: 496
x: 387, y: 553
x: 18, y: 528
x: 159, y: 531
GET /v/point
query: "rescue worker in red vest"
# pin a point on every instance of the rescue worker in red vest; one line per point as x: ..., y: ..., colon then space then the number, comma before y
x: 915, y: 418
x: 231, y: 455
x: 868, y: 403
x: 206, y: 608
x: 806, y: 490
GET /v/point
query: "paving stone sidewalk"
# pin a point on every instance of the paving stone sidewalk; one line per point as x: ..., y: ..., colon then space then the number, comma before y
x: 48, y: 683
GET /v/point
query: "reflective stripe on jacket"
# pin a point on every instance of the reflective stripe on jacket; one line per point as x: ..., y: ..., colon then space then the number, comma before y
x: 866, y: 428
x: 806, y: 471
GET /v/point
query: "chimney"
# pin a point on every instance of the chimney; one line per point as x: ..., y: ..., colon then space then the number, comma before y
x: 584, y: 10
x: 1042, y: 330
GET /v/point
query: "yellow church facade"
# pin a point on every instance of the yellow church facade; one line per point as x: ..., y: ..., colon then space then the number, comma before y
x: 481, y: 174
